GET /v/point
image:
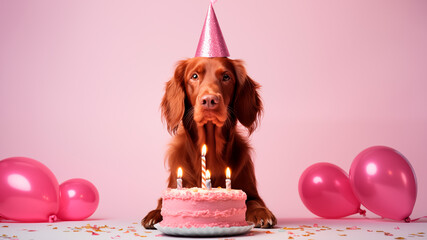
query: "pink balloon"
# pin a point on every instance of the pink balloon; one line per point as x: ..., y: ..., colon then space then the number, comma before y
x: 29, y: 191
x: 79, y: 199
x: 326, y: 191
x: 384, y: 182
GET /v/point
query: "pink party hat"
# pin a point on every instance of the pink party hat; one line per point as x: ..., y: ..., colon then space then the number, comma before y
x: 211, y: 43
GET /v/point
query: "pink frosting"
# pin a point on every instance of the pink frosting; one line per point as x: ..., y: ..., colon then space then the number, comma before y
x: 197, y: 225
x: 196, y: 207
x: 205, y: 213
x: 198, y: 194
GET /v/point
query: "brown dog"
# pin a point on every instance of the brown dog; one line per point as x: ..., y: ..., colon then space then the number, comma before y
x: 203, y: 103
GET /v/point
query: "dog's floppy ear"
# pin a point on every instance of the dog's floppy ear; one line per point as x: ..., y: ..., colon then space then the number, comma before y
x: 248, y: 105
x: 173, y: 105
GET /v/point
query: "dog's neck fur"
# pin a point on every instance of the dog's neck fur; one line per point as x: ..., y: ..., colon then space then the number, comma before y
x: 217, y: 150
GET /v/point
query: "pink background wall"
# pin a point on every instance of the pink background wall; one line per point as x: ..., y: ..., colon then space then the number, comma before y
x: 81, y: 83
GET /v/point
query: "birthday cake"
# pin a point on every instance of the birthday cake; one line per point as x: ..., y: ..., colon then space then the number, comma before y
x: 199, y: 208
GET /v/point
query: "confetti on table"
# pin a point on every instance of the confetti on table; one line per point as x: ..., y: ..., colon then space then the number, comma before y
x: 297, y: 232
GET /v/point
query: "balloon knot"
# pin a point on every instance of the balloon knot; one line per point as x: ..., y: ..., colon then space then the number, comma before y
x: 407, y: 220
x: 362, y: 212
x: 52, y: 218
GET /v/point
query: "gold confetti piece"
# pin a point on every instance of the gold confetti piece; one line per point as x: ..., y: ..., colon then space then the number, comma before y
x: 290, y: 237
x: 55, y: 228
x: 342, y: 235
x: 293, y: 228
x: 380, y: 231
x: 269, y: 232
x: 421, y: 233
x: 134, y: 223
x: 5, y: 226
x: 399, y: 238
x: 339, y: 230
x: 147, y: 231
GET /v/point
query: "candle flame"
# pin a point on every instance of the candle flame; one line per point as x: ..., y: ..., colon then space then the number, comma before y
x: 179, y: 172
x: 208, y: 174
x: 204, y: 150
x: 228, y: 173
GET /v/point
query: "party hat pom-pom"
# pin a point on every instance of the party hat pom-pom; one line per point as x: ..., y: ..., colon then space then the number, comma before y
x: 213, y: 1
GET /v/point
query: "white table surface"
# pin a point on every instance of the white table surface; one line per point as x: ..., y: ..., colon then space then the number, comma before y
x: 297, y: 228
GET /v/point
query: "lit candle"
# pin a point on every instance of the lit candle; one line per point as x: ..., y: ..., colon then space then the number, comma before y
x: 208, y: 180
x: 228, y: 180
x: 179, y: 179
x: 204, y: 150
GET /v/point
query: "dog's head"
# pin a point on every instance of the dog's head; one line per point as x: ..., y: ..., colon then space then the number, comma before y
x: 211, y: 89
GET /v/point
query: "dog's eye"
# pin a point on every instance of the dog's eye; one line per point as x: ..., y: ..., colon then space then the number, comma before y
x: 225, y: 77
x: 194, y: 76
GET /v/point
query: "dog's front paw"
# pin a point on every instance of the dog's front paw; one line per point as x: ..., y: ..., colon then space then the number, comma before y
x: 152, y: 218
x: 261, y: 217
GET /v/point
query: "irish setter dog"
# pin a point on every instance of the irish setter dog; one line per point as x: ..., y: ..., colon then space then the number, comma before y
x: 203, y: 103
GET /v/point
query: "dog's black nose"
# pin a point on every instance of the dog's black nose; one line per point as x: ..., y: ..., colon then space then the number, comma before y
x: 209, y: 101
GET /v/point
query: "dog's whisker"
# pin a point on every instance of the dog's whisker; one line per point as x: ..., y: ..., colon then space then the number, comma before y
x: 230, y: 115
x: 188, y: 118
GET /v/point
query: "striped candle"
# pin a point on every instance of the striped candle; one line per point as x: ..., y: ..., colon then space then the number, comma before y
x: 228, y: 180
x: 179, y: 179
x: 204, y: 150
